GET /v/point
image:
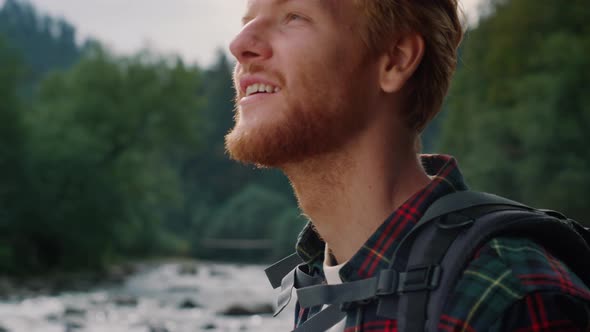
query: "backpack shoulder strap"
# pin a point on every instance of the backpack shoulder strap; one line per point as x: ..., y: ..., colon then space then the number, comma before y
x: 422, y: 250
x: 463, y: 200
x: 433, y: 255
x: 457, y: 225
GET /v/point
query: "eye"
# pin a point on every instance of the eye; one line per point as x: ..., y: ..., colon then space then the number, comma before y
x: 293, y: 17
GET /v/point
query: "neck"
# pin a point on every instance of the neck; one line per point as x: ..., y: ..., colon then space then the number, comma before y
x: 348, y: 194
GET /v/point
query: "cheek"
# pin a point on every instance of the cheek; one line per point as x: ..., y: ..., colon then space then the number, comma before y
x: 318, y: 74
x: 322, y: 71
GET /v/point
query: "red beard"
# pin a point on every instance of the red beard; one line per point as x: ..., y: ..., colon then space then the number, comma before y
x: 299, y: 135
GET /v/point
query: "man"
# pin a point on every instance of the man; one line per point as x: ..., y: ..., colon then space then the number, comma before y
x: 335, y: 93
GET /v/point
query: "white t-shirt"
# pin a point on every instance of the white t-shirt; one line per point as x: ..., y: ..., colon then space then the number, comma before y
x: 332, y: 274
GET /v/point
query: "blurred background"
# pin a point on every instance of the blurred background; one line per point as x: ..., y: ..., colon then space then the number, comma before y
x: 119, y: 210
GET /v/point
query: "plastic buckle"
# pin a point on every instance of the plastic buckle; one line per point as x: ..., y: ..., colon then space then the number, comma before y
x: 387, y: 283
x: 419, y: 278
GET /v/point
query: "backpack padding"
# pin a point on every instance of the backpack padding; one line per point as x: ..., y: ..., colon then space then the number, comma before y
x: 463, y: 200
x: 429, y: 248
x: 515, y: 219
x: 538, y: 227
x: 464, y: 221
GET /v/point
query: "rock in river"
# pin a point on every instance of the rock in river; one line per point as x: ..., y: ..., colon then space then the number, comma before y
x: 188, y: 269
x: 76, y: 312
x: 244, y: 310
x: 125, y: 301
x: 158, y: 329
x: 188, y: 304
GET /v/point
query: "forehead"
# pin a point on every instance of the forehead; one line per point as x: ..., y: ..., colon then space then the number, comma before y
x: 335, y: 8
x: 330, y: 5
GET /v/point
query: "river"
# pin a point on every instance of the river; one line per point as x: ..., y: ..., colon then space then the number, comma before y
x: 164, y: 297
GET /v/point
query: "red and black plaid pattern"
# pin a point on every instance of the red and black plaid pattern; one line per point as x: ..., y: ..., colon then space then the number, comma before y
x: 492, y: 295
x: 546, y: 312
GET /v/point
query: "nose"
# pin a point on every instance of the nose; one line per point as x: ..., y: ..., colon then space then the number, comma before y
x: 251, y: 44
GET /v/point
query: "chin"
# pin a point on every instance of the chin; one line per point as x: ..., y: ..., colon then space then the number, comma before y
x: 256, y: 145
x: 295, y: 137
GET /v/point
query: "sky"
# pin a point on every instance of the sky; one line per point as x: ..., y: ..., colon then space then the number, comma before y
x: 194, y: 29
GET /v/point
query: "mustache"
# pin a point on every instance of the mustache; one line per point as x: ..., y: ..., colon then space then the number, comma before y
x: 256, y: 68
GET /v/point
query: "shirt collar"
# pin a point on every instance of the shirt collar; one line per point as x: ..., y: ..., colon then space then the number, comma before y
x: 376, y: 252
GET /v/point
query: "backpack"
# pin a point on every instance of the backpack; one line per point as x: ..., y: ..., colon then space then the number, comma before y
x: 431, y: 259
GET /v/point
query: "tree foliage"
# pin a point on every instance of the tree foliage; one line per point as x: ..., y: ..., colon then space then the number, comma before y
x: 12, y: 154
x: 100, y: 144
x: 520, y: 113
x: 107, y: 157
x: 45, y: 43
x: 255, y: 213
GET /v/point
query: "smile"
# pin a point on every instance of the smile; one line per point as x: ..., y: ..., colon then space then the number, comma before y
x: 261, y: 88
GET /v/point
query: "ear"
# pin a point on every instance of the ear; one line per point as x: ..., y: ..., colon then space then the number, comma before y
x: 400, y: 62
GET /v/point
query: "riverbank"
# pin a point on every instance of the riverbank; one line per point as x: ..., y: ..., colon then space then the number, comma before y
x: 15, y: 288
x: 154, y: 297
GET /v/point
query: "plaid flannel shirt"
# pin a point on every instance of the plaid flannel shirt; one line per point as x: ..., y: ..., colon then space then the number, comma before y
x: 512, y: 284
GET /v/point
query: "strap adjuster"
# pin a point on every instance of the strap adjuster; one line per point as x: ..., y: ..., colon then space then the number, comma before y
x: 416, y: 278
x: 419, y: 278
x: 387, y: 283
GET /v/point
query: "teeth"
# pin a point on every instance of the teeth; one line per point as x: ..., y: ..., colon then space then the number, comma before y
x: 251, y: 89
x: 254, y: 88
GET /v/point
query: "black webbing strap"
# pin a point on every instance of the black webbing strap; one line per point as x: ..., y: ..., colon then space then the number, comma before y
x: 387, y: 282
x: 286, y: 292
x: 322, y: 321
x: 413, y: 305
x: 425, y: 275
x: 296, y: 279
x: 337, y: 294
x: 463, y: 200
x: 276, y: 272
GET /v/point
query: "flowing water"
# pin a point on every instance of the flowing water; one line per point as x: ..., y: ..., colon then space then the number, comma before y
x: 167, y: 297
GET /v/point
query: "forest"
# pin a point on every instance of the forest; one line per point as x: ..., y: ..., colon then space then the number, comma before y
x: 106, y: 158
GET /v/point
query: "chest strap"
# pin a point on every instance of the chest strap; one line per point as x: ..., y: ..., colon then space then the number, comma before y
x: 387, y: 282
x: 311, y: 292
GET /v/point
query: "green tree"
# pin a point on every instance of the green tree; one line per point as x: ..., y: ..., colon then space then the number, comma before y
x: 103, y: 140
x: 519, y: 111
x: 12, y: 155
x: 255, y: 213
x: 45, y: 43
x: 105, y: 157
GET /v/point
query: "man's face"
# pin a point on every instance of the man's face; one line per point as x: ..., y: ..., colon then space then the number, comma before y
x: 302, y: 80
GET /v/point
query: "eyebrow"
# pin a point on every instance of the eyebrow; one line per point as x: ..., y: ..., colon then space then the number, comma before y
x: 328, y: 5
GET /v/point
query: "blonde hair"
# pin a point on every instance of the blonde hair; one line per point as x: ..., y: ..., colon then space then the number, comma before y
x: 439, y: 24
